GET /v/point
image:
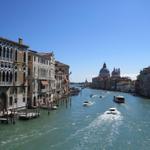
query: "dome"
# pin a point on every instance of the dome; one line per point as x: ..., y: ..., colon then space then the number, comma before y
x: 104, y: 72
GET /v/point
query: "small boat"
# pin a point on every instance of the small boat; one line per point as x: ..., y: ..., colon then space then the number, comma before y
x: 112, y: 111
x: 119, y: 99
x: 54, y: 107
x: 87, y: 103
x: 27, y: 116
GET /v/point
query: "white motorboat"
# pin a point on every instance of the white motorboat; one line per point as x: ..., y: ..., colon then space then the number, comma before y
x: 54, y: 107
x: 87, y: 103
x: 113, y: 111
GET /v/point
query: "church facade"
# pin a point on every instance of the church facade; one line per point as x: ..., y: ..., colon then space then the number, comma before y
x: 104, y: 80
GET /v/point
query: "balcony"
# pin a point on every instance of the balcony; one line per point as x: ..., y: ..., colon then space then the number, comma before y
x: 6, y: 83
x: 44, y: 90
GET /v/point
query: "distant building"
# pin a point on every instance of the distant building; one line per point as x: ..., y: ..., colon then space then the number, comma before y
x: 115, y: 73
x: 142, y: 84
x: 113, y: 82
x: 62, y: 79
x: 124, y: 85
x: 13, y: 74
x: 103, y: 80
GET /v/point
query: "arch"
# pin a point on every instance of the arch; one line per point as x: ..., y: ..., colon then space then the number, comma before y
x: 15, y: 76
x: 3, y: 78
x: 16, y: 55
x: 7, y: 76
x: 0, y: 51
x: 11, y: 53
x: 7, y: 53
x: 4, y: 51
x: 3, y: 101
x: 11, y: 76
x: 34, y: 101
x: 0, y: 76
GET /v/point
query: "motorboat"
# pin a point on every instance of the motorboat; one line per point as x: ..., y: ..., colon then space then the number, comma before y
x: 113, y: 111
x: 87, y: 103
x: 54, y: 107
x: 119, y: 99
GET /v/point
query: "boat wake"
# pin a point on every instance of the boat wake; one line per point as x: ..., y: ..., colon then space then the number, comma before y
x: 105, y: 126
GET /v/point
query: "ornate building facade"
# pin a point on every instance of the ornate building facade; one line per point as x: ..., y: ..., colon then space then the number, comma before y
x: 13, y: 74
x: 62, y: 79
x: 41, y: 72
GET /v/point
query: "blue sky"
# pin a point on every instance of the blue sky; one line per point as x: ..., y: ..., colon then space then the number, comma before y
x: 83, y: 33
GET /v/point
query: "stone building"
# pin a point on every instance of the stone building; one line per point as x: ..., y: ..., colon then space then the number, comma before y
x: 115, y: 78
x: 142, y: 84
x: 124, y: 84
x: 13, y: 74
x: 41, y: 77
x: 62, y: 79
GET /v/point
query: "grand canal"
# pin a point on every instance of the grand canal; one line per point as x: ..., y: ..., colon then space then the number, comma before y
x: 74, y: 127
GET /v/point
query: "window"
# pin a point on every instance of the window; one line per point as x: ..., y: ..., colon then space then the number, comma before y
x: 3, y: 76
x: 11, y: 53
x: 10, y: 101
x: 34, y: 58
x: 24, y: 56
x: 15, y: 76
x: 7, y: 77
x: 7, y: 53
x: 15, y: 100
x: 0, y: 51
x: 16, y: 55
x: 11, y: 77
x: 24, y: 77
x: 24, y: 100
x: 28, y: 71
x: 29, y: 58
x: 4, y: 50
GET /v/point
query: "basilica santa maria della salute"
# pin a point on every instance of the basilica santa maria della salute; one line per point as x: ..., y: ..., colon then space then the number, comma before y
x: 111, y: 81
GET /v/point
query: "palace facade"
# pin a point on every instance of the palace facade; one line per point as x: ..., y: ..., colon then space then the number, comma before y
x: 13, y: 74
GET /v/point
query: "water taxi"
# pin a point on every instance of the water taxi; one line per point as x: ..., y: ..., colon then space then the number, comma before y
x: 112, y: 111
x: 119, y: 99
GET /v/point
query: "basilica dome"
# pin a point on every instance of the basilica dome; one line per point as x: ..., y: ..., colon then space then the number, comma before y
x: 104, y: 72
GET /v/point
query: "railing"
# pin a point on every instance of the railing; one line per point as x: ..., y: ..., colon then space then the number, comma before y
x: 6, y: 83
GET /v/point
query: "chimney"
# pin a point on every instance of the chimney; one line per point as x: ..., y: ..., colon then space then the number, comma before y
x: 20, y: 41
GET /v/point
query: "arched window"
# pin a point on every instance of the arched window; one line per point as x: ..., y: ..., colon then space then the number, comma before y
x: 11, y: 53
x: 7, y: 77
x: 0, y: 51
x: 4, y: 51
x: 7, y: 53
x: 3, y: 76
x: 0, y: 77
x: 24, y: 77
x: 24, y: 56
x: 16, y: 55
x: 11, y: 76
x: 15, y: 76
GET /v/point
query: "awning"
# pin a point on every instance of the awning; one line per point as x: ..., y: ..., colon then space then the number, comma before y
x: 44, y: 82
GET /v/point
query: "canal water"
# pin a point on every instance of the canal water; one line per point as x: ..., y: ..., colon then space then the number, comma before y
x: 74, y: 127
